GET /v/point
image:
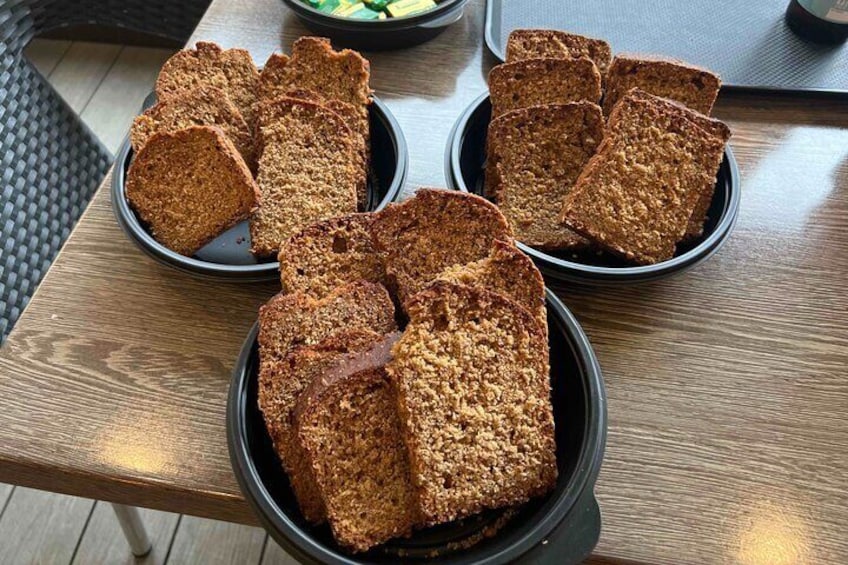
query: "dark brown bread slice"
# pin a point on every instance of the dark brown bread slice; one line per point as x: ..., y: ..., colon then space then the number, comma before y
x: 534, y: 82
x: 696, y: 88
x: 534, y: 156
x: 348, y: 424
x: 534, y: 43
x: 279, y: 390
x: 287, y: 321
x: 308, y: 171
x: 204, y: 106
x: 434, y: 230
x: 231, y: 70
x: 507, y: 271
x: 330, y: 253
x: 474, y: 395
x: 189, y: 186
x: 636, y: 196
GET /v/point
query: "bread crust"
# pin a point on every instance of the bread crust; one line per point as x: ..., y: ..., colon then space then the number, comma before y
x: 532, y: 43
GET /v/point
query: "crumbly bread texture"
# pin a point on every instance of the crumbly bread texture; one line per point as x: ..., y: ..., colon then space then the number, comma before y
x: 348, y: 424
x: 279, y: 390
x: 203, y: 106
x: 419, y: 238
x: 694, y: 87
x: 287, y: 321
x: 637, y: 194
x: 330, y: 253
x: 308, y: 171
x: 473, y: 384
x: 507, y: 271
x: 534, y: 157
x: 533, y: 82
x: 535, y: 43
x: 189, y: 186
x: 231, y: 70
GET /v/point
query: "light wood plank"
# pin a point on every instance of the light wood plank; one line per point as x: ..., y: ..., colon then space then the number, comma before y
x: 118, y: 99
x: 212, y: 542
x: 45, y: 54
x: 41, y: 527
x: 80, y: 72
x: 104, y: 542
x: 5, y: 493
x: 276, y: 555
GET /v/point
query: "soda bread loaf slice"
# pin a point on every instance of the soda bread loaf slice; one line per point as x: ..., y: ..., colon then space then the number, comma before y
x: 434, y: 230
x: 287, y: 321
x: 330, y: 253
x: 204, y: 106
x: 347, y: 422
x: 694, y: 87
x: 279, y: 390
x: 507, y: 271
x: 473, y: 384
x: 535, y: 43
x: 189, y: 186
x: 231, y: 70
x: 636, y: 196
x: 533, y: 82
x: 534, y: 156
x: 308, y: 171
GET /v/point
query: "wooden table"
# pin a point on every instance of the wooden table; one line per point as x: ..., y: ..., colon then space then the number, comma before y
x: 728, y: 397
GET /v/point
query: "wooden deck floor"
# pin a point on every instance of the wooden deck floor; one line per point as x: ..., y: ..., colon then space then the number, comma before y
x: 106, y: 85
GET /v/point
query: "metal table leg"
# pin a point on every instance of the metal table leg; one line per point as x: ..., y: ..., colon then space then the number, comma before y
x: 133, y: 527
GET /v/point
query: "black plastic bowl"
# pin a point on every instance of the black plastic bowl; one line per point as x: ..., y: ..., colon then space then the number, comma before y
x: 465, y: 165
x: 228, y: 256
x: 561, y: 528
x: 379, y: 35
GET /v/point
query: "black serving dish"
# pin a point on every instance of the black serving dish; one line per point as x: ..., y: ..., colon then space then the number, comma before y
x: 380, y: 35
x: 228, y: 256
x: 560, y: 528
x: 465, y: 166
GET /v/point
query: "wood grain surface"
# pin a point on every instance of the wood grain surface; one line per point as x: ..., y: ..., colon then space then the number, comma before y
x: 728, y: 398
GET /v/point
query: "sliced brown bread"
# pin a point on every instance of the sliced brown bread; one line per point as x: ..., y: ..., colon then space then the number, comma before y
x: 204, y: 106
x: 231, y: 70
x: 308, y: 171
x: 434, y: 230
x: 279, y: 390
x: 696, y: 88
x: 508, y: 271
x: 471, y: 371
x: 292, y: 320
x: 535, y: 43
x: 348, y: 424
x: 534, y: 156
x: 533, y: 82
x: 637, y: 195
x: 189, y: 186
x: 330, y: 253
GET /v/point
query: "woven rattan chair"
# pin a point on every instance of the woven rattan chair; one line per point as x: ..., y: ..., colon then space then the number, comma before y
x: 51, y: 162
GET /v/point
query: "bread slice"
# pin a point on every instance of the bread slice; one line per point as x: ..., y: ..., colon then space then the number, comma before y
x: 535, y: 43
x: 189, y: 186
x: 308, y: 171
x: 348, y: 424
x: 694, y: 87
x: 204, y: 106
x: 231, y: 70
x: 436, y: 229
x: 533, y: 82
x: 279, y: 390
x: 507, y: 271
x: 330, y: 253
x: 287, y: 321
x: 473, y: 384
x: 534, y: 156
x: 636, y: 196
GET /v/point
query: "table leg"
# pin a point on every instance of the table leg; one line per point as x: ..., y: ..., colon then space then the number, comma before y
x: 133, y: 527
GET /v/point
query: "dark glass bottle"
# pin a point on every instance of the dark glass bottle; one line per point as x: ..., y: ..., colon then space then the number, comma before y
x: 823, y: 21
